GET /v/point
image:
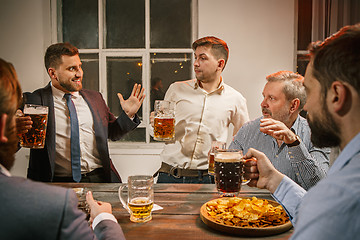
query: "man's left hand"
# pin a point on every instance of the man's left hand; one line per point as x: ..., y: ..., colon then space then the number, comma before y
x: 133, y: 103
x: 277, y: 130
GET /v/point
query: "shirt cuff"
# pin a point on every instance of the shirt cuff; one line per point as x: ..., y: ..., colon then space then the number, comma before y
x: 289, y: 195
x: 101, y: 217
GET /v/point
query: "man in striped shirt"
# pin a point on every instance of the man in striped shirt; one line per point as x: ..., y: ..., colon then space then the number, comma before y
x: 282, y: 134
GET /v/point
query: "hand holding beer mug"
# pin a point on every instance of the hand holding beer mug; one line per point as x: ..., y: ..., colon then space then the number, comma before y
x: 140, y: 198
x: 215, y: 145
x: 229, y: 170
x: 35, y: 137
x: 164, y: 120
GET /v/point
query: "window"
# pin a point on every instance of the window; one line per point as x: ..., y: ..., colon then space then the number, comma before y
x: 318, y: 19
x: 124, y: 42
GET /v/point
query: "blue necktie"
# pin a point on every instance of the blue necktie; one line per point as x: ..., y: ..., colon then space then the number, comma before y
x: 74, y: 140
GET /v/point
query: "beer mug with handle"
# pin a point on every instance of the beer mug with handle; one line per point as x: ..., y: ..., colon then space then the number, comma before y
x: 140, y: 197
x: 229, y: 171
x: 35, y: 137
x: 164, y: 120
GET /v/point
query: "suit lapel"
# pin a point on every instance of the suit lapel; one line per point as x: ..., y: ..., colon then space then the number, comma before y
x: 48, y: 100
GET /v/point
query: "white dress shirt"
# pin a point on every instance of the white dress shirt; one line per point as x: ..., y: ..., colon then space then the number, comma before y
x: 89, y: 153
x: 200, y: 118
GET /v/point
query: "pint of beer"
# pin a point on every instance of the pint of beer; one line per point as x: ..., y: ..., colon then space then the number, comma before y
x: 140, y: 197
x: 164, y: 120
x: 35, y: 137
x: 229, y: 171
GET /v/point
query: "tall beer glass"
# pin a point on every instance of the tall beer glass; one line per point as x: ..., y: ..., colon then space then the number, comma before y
x: 140, y: 197
x: 164, y: 120
x: 229, y: 170
x: 35, y: 137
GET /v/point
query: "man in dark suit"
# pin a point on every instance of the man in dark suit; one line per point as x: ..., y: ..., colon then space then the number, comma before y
x: 37, y: 210
x: 96, y: 123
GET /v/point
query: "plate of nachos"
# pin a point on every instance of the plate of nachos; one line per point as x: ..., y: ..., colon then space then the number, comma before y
x: 245, y: 216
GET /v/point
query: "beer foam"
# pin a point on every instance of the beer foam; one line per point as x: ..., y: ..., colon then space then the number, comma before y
x: 228, y: 157
x: 39, y: 110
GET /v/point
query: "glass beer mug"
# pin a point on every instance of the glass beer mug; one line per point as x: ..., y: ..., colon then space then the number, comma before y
x: 229, y: 171
x: 140, y: 197
x: 164, y: 120
x: 35, y: 137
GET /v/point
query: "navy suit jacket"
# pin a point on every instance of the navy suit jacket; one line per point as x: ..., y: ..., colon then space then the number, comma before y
x: 34, y: 210
x: 106, y: 126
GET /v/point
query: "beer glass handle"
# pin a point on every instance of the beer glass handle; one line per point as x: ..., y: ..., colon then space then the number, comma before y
x: 122, y: 197
x: 245, y: 181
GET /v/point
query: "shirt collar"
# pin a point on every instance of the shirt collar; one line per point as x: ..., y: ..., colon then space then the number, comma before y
x: 220, y: 88
x: 4, y: 171
x: 350, y: 150
x: 59, y: 94
x: 295, y: 125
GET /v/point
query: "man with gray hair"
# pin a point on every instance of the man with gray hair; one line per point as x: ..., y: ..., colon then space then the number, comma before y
x: 282, y: 134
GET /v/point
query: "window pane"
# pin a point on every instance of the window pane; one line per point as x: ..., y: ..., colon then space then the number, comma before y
x: 136, y: 135
x: 304, y: 24
x: 90, y: 66
x: 80, y: 23
x: 170, y: 23
x: 122, y: 74
x: 169, y: 67
x: 302, y: 62
x: 125, y: 24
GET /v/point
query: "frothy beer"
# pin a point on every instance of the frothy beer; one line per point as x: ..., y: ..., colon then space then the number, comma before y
x: 35, y: 137
x: 164, y: 120
x: 164, y: 129
x: 228, y: 172
x: 140, y: 208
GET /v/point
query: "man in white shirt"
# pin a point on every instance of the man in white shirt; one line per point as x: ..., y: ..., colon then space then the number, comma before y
x: 329, y: 210
x: 36, y: 210
x: 96, y: 124
x: 204, y: 109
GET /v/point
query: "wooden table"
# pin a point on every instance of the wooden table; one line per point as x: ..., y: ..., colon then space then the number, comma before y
x: 180, y: 218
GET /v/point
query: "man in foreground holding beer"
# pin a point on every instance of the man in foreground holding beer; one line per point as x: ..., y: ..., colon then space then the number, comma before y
x: 36, y: 210
x: 329, y: 210
x: 79, y: 123
x: 282, y: 134
x: 204, y: 109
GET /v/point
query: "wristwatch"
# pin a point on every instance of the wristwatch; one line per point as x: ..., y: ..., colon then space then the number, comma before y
x: 295, y: 143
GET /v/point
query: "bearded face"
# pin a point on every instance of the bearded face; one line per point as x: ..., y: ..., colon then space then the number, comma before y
x: 324, y: 130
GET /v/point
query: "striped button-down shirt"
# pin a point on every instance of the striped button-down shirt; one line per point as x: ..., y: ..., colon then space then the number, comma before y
x: 305, y: 164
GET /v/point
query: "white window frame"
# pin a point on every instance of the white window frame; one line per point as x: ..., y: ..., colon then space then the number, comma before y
x: 143, y: 53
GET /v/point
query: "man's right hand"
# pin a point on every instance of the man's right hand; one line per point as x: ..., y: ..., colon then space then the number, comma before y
x: 260, y: 171
x: 97, y: 207
x: 23, y: 123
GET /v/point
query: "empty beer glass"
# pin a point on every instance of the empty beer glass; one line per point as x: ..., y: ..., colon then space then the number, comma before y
x: 35, y: 137
x: 164, y: 120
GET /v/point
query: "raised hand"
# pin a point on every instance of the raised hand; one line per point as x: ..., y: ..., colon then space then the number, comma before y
x: 133, y: 103
x: 277, y: 130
